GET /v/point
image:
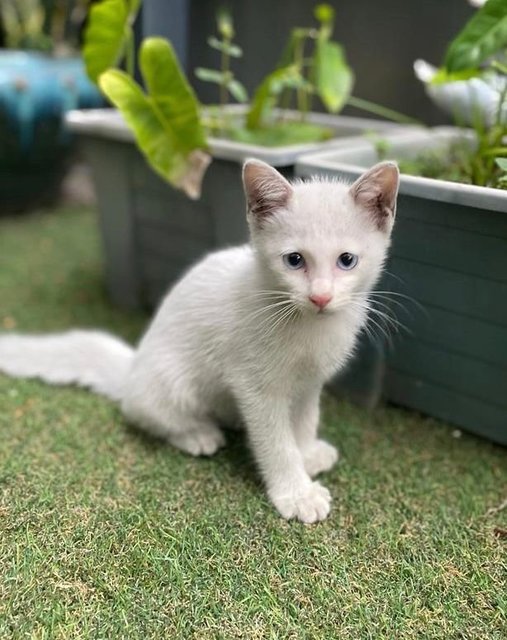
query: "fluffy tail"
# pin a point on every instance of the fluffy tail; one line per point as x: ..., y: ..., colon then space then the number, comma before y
x: 91, y: 359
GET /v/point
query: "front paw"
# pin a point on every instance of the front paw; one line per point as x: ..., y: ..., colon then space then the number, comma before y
x: 320, y: 456
x: 308, y: 505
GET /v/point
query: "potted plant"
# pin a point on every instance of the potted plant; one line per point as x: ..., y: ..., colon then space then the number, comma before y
x: 40, y: 79
x: 153, y: 225
x: 449, y: 255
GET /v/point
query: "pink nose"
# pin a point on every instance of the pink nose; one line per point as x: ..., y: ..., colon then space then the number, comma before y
x: 320, y: 301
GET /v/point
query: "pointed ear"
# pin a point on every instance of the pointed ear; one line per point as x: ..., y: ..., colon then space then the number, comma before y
x: 266, y: 190
x: 376, y: 192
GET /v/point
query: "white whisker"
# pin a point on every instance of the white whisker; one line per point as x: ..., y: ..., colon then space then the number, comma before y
x: 284, y: 319
x: 269, y: 307
x: 273, y: 318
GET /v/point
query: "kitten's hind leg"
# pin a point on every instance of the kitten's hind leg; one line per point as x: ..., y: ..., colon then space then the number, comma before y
x: 320, y: 456
x: 203, y: 439
x: 192, y: 433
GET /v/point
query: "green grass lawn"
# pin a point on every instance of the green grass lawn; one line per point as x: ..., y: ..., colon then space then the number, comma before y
x: 105, y: 533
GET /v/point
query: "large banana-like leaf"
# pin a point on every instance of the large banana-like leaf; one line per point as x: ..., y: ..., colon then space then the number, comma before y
x: 170, y: 92
x: 333, y: 77
x: 165, y: 120
x: 107, y: 35
x: 483, y: 36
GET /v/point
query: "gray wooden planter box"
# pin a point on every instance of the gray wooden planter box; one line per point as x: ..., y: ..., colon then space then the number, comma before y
x: 151, y: 232
x: 449, y: 254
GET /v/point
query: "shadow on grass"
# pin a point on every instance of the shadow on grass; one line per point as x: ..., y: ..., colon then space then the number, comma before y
x: 235, y: 459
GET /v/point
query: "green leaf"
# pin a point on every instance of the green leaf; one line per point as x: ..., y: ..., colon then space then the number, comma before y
x: 265, y: 96
x: 287, y: 57
x: 502, y: 163
x: 483, y: 36
x: 224, y: 24
x: 165, y: 120
x: 237, y: 90
x: 231, y: 49
x: 211, y: 75
x: 333, y: 77
x: 169, y: 89
x: 442, y: 76
x: 107, y: 34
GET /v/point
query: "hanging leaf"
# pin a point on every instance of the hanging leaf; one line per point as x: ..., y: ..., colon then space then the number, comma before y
x: 333, y: 77
x: 442, y: 76
x: 237, y: 90
x: 482, y: 37
x: 211, y: 75
x: 231, y: 49
x: 107, y: 35
x: 165, y: 119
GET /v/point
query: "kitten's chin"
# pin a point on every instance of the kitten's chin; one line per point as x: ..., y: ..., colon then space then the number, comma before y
x: 326, y: 312
x: 329, y: 311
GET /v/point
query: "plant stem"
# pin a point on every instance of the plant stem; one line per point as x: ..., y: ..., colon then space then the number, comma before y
x: 501, y: 102
x: 284, y: 105
x: 498, y: 66
x: 379, y: 110
x: 224, y: 65
x: 302, y: 98
x: 495, y: 152
x: 223, y: 87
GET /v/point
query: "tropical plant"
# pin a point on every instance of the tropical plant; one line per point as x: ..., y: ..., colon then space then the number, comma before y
x: 312, y: 65
x: 109, y: 36
x: 228, y: 85
x: 479, y: 48
x: 483, y: 40
x: 224, y: 78
x: 165, y: 116
x: 323, y: 71
x: 168, y: 123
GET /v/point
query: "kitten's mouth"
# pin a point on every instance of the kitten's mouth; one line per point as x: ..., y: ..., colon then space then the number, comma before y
x: 321, y: 313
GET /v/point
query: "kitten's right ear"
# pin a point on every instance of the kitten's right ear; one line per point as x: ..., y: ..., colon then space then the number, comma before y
x: 266, y: 190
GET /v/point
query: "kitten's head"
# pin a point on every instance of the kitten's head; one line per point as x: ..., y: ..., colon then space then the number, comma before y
x: 321, y: 241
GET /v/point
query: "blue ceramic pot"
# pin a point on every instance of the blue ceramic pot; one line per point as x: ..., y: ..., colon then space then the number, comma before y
x: 36, y: 90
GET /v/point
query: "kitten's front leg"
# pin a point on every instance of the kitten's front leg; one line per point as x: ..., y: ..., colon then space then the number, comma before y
x: 318, y: 455
x: 279, y: 459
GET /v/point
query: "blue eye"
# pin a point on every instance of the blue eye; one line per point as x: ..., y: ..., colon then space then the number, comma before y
x: 294, y: 260
x: 346, y: 261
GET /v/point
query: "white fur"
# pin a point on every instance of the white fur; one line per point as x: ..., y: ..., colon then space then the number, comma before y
x: 92, y: 359
x: 225, y: 347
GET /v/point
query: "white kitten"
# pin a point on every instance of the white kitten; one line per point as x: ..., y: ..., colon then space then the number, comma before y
x: 250, y: 333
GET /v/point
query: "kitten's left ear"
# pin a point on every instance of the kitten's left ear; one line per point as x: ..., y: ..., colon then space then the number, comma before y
x: 376, y: 191
x: 266, y: 190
